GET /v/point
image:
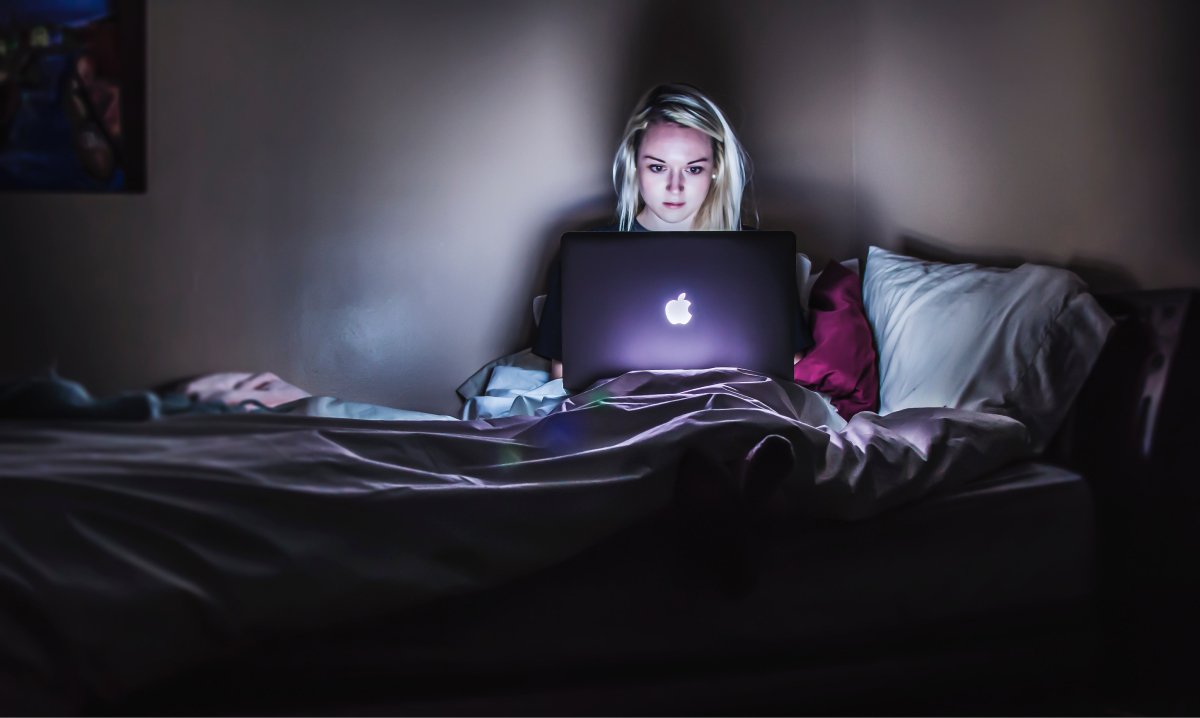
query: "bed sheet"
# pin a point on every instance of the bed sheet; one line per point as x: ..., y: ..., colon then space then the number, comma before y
x: 129, y: 551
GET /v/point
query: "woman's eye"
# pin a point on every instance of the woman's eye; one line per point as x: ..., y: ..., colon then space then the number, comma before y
x: 695, y: 170
x: 656, y: 168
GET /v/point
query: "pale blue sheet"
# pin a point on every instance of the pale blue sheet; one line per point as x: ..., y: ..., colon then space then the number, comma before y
x: 514, y: 385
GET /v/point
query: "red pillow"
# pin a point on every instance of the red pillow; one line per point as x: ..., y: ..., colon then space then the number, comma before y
x: 842, y: 362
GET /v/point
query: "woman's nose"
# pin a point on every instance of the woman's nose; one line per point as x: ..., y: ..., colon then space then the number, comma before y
x: 675, y: 181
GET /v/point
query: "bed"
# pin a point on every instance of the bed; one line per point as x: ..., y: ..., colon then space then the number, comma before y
x: 936, y: 555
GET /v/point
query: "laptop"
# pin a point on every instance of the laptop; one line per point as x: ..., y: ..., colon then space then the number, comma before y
x: 676, y: 300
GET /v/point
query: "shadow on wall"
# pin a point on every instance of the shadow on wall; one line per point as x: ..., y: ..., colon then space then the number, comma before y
x: 683, y: 41
x: 1100, y: 276
x: 805, y: 206
x: 673, y: 41
x: 588, y: 213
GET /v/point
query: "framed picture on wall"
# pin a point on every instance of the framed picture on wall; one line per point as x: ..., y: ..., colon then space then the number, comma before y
x: 72, y: 95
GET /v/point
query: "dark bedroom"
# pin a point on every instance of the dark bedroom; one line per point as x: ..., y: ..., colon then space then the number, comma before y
x: 599, y: 357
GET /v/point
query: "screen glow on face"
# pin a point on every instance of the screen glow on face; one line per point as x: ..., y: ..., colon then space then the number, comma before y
x: 674, y: 175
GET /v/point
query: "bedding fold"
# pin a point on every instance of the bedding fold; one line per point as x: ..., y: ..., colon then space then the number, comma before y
x: 129, y: 552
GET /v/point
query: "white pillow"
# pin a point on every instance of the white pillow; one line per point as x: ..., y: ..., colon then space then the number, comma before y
x: 1017, y: 342
x: 539, y: 303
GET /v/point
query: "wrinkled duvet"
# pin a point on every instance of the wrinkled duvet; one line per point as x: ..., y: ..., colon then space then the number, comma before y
x: 129, y: 551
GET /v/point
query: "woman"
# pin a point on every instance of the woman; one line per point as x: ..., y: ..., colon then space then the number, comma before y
x: 679, y: 167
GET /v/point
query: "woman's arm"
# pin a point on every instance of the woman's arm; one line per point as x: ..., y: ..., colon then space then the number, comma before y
x: 547, y: 340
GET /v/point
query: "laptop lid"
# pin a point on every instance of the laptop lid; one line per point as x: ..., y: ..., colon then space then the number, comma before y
x: 676, y: 300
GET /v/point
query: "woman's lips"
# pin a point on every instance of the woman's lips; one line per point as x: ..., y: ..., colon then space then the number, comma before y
x: 673, y: 205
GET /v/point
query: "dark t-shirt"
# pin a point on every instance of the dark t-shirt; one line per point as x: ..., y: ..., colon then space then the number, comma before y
x: 547, y: 340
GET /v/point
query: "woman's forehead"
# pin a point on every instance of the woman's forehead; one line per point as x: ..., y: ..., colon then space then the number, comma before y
x: 670, y: 137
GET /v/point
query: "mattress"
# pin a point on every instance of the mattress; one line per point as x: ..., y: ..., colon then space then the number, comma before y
x: 133, y: 552
x: 1006, y: 559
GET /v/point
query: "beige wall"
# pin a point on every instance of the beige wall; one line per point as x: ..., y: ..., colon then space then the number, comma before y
x: 1059, y: 131
x: 362, y: 196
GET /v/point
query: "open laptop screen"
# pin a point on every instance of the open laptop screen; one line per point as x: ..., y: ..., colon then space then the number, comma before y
x: 677, y: 300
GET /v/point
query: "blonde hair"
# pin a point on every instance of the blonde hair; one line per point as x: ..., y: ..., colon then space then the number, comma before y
x: 686, y: 106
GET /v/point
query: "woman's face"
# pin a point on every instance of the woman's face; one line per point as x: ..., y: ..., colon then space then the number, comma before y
x: 674, y: 173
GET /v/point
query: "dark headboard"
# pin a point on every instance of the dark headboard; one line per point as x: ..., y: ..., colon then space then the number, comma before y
x: 1131, y: 418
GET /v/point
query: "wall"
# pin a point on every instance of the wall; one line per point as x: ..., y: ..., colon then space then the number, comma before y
x: 1059, y: 131
x: 358, y: 196
x: 363, y: 196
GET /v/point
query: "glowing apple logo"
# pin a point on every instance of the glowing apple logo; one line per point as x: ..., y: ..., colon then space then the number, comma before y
x: 677, y: 310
